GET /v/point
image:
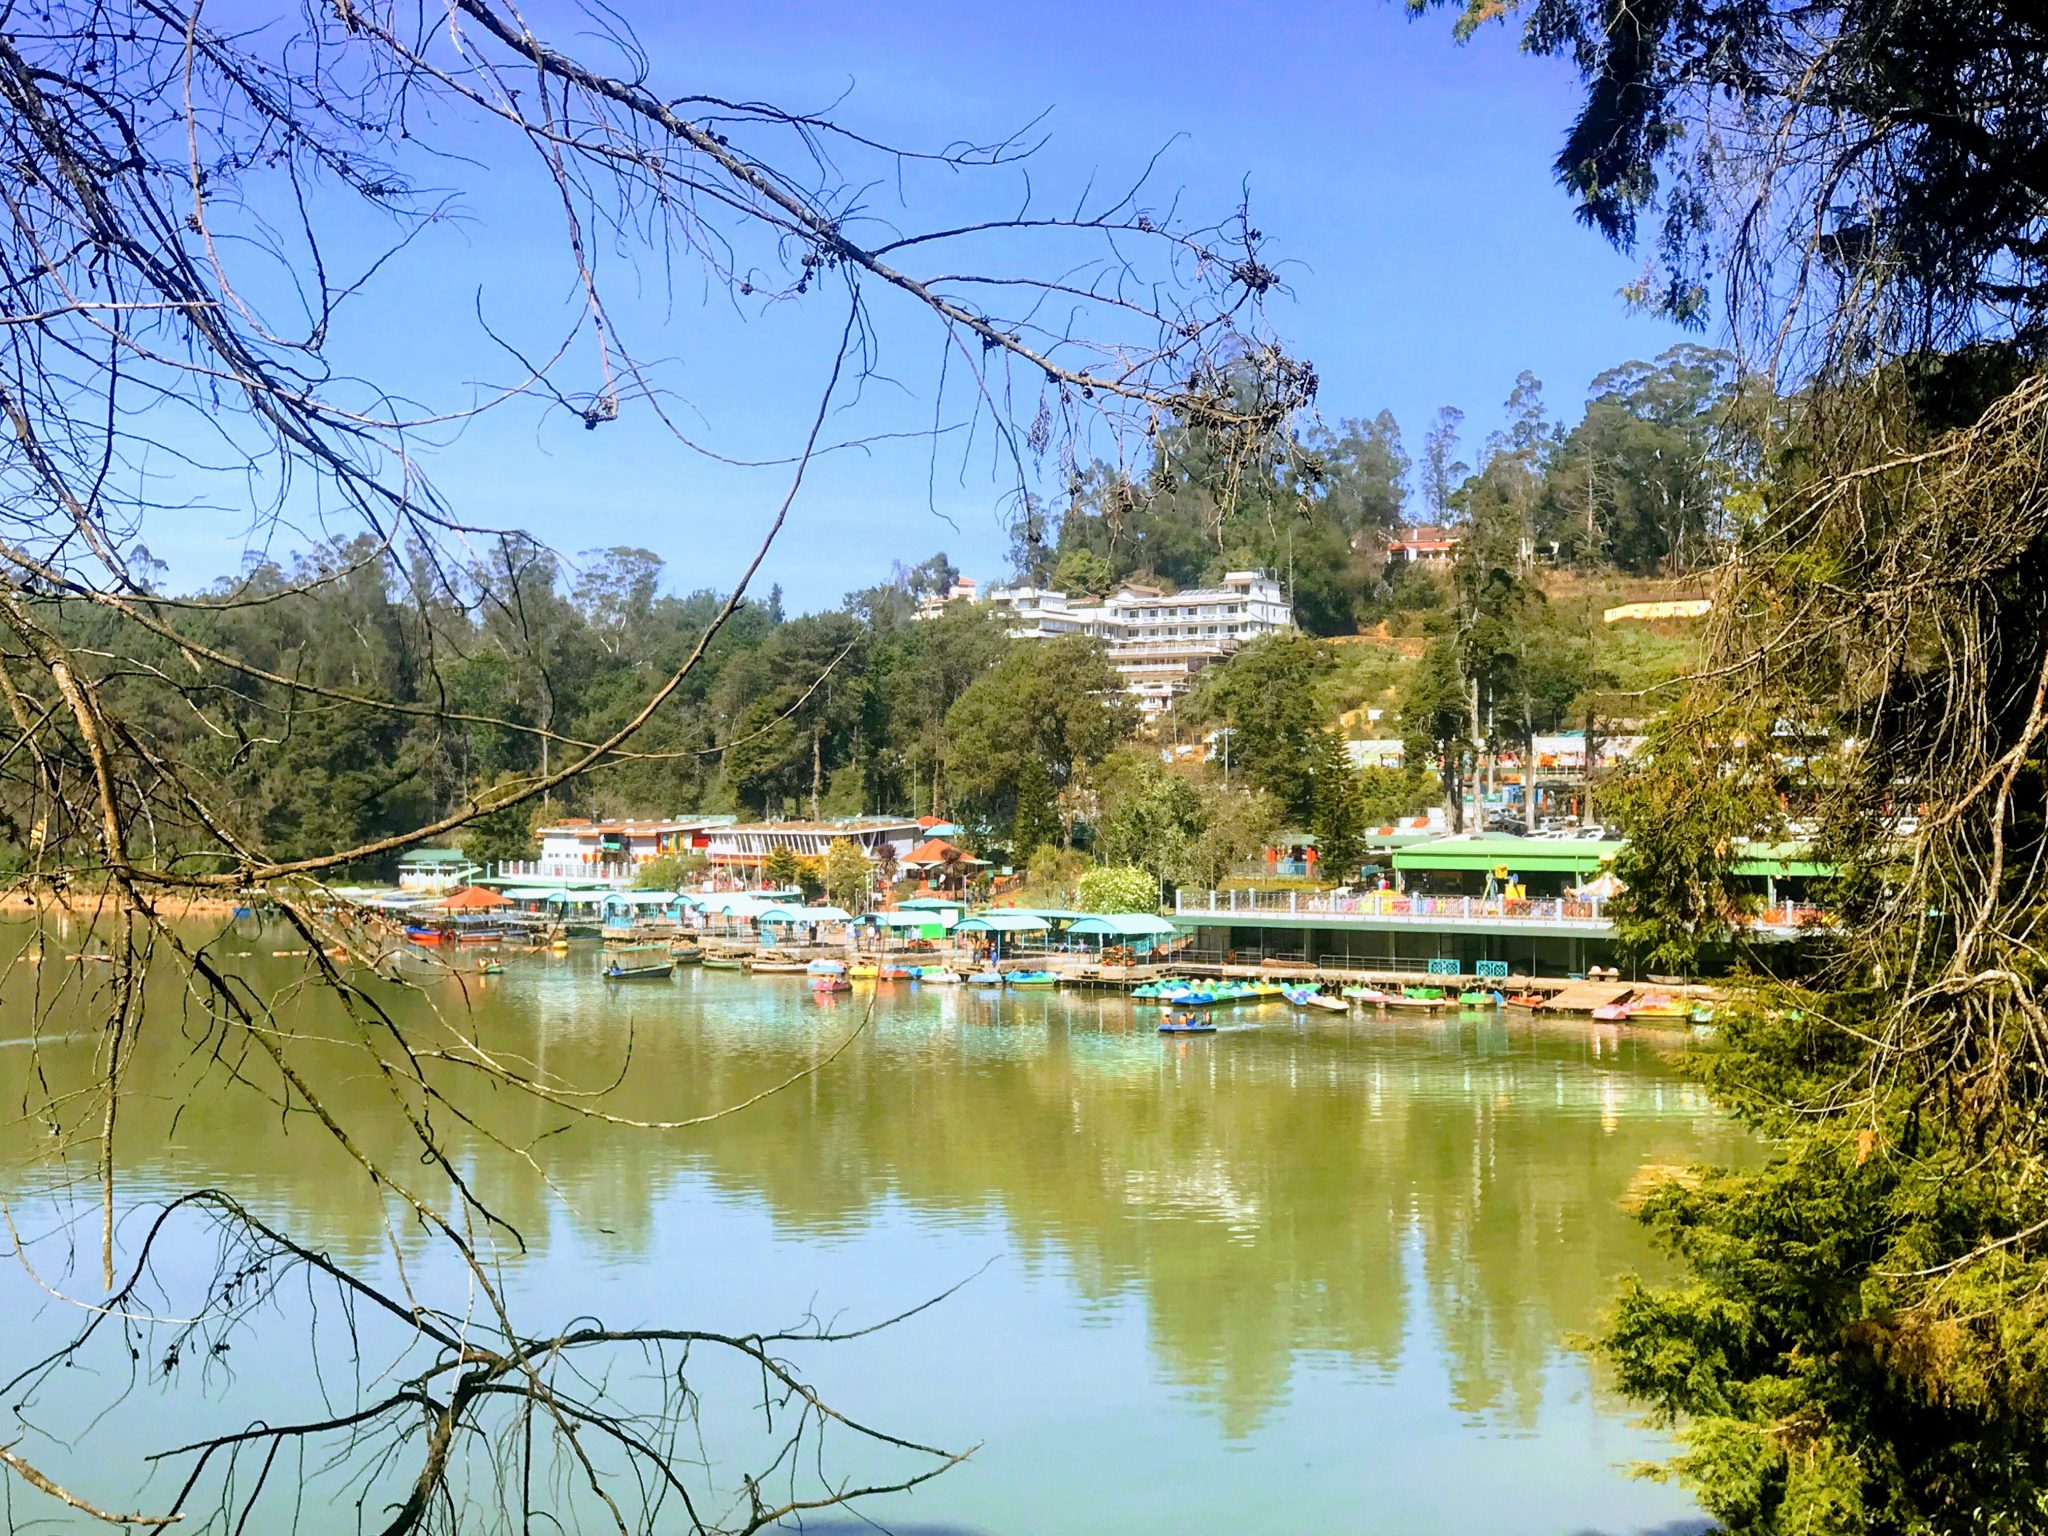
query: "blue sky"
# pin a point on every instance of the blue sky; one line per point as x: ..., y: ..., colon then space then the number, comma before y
x: 1404, y: 179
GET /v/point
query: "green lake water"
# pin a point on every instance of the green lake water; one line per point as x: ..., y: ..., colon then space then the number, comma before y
x: 1300, y: 1275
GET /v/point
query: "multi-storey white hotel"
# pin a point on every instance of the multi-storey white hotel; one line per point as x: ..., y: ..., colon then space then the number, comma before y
x: 1157, y: 641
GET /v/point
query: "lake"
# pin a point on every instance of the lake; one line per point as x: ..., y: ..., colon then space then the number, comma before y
x: 1305, y: 1274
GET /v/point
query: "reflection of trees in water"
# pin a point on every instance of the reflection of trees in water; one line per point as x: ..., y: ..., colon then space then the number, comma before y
x: 1254, y: 1190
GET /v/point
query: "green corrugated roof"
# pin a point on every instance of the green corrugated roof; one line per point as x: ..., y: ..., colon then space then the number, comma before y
x: 1780, y: 861
x: 1521, y: 855
x: 433, y: 856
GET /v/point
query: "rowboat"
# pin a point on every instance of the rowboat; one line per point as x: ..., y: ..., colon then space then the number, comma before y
x: 1309, y: 997
x: 1655, y: 1006
x: 686, y: 954
x: 647, y: 970
x: 723, y: 962
x: 426, y: 935
x: 481, y: 936
x: 777, y: 967
x: 1413, y: 1004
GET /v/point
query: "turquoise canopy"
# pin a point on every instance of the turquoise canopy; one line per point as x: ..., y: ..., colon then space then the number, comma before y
x: 1124, y: 925
x: 1002, y: 922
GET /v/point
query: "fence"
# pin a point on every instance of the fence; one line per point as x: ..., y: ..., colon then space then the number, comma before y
x: 1427, y: 911
x: 1393, y: 906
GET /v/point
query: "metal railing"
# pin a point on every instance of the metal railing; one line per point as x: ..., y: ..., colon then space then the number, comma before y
x: 1425, y: 911
x: 1395, y: 907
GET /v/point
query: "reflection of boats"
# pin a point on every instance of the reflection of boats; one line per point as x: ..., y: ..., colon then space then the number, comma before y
x: 830, y: 984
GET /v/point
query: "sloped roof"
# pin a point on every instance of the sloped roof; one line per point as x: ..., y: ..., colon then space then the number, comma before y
x: 433, y: 856
x: 1001, y: 922
x: 472, y: 898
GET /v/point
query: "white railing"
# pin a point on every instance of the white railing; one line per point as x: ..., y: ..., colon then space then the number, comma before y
x: 1392, y: 906
x: 552, y: 871
x: 1426, y: 911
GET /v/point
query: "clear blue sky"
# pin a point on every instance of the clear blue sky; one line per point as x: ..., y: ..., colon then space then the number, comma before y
x: 1405, y: 178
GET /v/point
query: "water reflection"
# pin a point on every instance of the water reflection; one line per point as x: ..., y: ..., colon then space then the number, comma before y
x: 1263, y: 1203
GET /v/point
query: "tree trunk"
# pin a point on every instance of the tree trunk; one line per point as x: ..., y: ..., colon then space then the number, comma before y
x: 1478, y: 751
x: 1592, y: 752
x: 1528, y: 766
x: 817, y: 771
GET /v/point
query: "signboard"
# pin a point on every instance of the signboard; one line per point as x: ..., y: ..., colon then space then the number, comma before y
x: 1445, y: 967
x: 1494, y: 969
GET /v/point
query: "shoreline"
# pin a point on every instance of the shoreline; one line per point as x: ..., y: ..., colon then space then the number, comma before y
x: 86, y: 904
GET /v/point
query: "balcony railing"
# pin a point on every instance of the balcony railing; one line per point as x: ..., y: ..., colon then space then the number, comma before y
x: 550, y: 871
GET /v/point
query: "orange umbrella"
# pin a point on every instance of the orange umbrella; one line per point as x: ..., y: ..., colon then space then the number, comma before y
x: 473, y: 898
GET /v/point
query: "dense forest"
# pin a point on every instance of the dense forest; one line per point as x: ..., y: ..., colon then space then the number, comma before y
x: 498, y: 669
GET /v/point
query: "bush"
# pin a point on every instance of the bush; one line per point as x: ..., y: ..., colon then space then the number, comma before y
x: 670, y: 872
x: 1119, y: 888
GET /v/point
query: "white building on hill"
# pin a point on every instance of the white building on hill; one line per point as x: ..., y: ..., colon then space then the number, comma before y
x: 1157, y: 641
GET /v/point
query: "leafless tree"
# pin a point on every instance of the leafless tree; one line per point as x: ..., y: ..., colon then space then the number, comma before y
x: 184, y: 275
